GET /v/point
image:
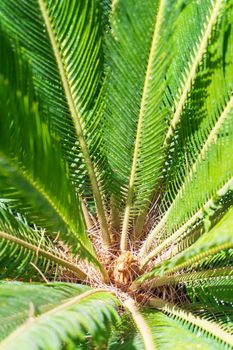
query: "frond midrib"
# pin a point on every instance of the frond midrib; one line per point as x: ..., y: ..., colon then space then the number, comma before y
x: 78, y: 127
x: 48, y: 255
x: 143, y: 328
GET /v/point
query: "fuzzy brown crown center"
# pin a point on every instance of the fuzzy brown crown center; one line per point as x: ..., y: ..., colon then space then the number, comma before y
x: 126, y: 269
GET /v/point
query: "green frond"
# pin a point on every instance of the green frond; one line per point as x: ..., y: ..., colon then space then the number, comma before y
x: 32, y: 171
x: 135, y: 108
x: 211, y: 297
x: 210, y: 292
x: 63, y: 44
x: 175, y: 327
x: 171, y: 328
x: 35, y: 298
x: 210, y: 287
x: 136, y: 121
x: 219, y: 277
x: 204, y: 138
x: 124, y: 62
x: 209, y: 244
x: 210, y: 216
x: 52, y: 315
x: 199, y: 223
x: 25, y: 250
x: 197, y: 21
x: 215, y: 245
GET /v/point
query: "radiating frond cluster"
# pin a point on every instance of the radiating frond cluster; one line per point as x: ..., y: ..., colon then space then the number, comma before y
x: 116, y: 174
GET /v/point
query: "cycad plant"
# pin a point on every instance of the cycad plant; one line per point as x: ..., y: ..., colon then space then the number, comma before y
x: 116, y: 164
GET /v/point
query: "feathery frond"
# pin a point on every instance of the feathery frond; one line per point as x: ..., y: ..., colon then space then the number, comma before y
x: 52, y: 315
x: 133, y: 102
x: 205, y: 249
x: 33, y: 174
x: 23, y: 247
x: 212, y: 335
x: 206, y: 145
x: 71, y: 82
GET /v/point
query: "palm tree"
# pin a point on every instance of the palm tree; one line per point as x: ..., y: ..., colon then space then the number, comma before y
x: 116, y: 174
